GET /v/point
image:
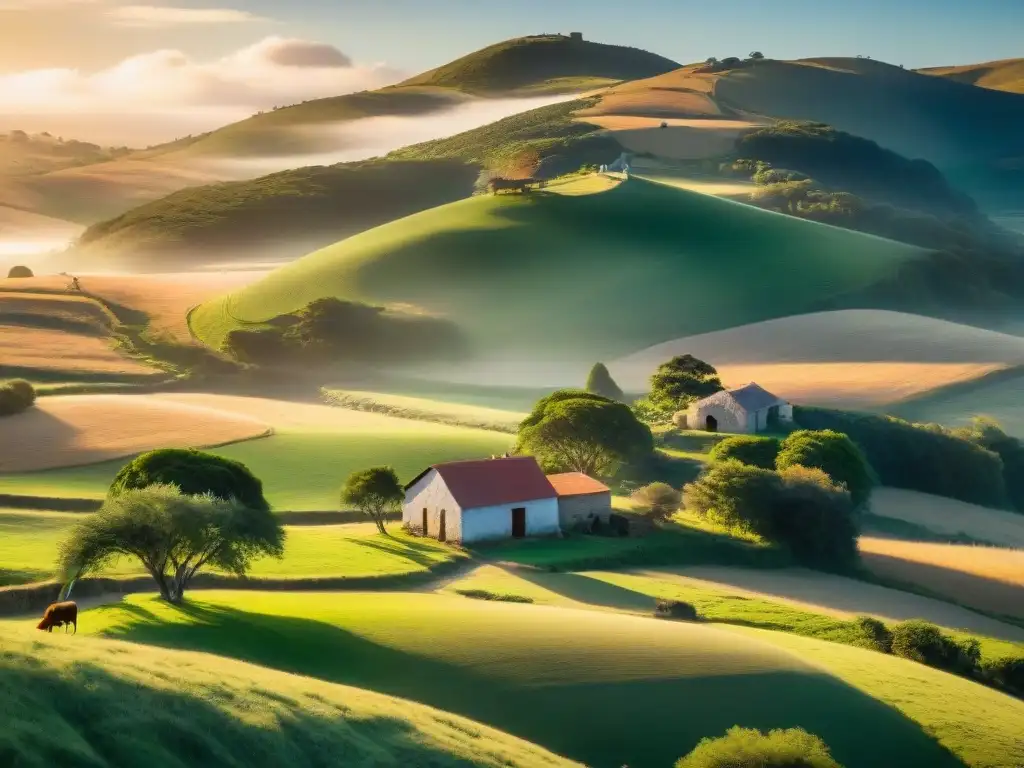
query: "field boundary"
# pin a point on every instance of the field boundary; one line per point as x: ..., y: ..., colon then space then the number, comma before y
x: 1010, y: 373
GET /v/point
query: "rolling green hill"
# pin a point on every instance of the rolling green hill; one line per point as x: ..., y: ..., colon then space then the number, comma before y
x: 544, y: 63
x: 280, y: 216
x: 579, y: 277
x: 1003, y: 75
x: 88, y: 703
x: 602, y: 688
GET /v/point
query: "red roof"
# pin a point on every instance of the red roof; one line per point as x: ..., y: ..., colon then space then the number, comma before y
x: 576, y: 484
x: 490, y: 482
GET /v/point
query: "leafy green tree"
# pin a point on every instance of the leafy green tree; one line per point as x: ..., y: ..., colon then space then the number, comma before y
x: 988, y: 434
x: 749, y: 748
x: 375, y: 492
x: 835, y: 454
x: 16, y: 396
x: 682, y: 380
x: 756, y: 450
x: 660, y: 500
x: 579, y: 431
x: 600, y: 382
x: 734, y: 495
x: 195, y: 473
x: 174, y: 535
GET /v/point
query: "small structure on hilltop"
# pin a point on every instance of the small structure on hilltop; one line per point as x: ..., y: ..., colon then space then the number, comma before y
x: 499, y: 184
x: 582, y: 500
x: 576, y: 37
x: 500, y: 498
x: 745, y: 410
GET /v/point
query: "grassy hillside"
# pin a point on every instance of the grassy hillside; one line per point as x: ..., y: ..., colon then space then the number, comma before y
x: 1003, y: 75
x: 23, y: 154
x: 997, y: 395
x: 283, y: 215
x: 544, y: 62
x: 578, y: 276
x: 640, y: 692
x: 87, y: 703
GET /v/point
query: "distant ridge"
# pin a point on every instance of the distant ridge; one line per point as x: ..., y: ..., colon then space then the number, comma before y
x: 1002, y: 75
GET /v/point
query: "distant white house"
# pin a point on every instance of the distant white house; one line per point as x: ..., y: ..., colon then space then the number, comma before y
x: 500, y: 498
x: 745, y: 410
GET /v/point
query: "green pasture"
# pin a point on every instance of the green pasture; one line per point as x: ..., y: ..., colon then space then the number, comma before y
x: 591, y: 276
x: 301, y: 471
x: 76, y: 701
x: 639, y: 690
x: 29, y: 541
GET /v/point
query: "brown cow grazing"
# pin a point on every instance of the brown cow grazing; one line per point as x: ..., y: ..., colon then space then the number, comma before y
x: 60, y: 614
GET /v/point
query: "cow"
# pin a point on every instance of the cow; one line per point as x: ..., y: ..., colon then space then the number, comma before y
x: 60, y: 614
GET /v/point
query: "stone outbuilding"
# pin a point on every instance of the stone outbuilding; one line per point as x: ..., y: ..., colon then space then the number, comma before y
x: 581, y: 500
x: 745, y: 410
x: 470, y: 501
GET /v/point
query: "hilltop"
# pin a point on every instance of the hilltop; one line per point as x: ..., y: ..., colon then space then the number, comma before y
x: 578, y: 276
x: 1002, y: 75
x: 549, y: 63
x: 23, y: 154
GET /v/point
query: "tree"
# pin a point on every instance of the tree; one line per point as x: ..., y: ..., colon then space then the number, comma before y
x: 19, y: 271
x: 660, y: 500
x: 375, y: 492
x: 600, y: 382
x: 682, y: 380
x: 579, y: 431
x: 16, y: 396
x: 835, y: 454
x: 756, y: 55
x: 173, y: 535
x: 195, y: 473
x: 749, y: 748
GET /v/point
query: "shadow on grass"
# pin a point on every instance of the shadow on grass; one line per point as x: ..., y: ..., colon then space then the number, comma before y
x: 645, y: 722
x: 87, y: 716
x: 409, y: 549
x: 584, y: 589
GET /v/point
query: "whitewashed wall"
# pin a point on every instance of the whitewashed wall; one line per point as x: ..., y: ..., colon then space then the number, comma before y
x: 431, y: 493
x: 484, y: 523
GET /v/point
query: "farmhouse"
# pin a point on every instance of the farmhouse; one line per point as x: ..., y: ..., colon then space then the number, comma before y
x: 744, y: 410
x: 467, y: 501
x: 581, y: 500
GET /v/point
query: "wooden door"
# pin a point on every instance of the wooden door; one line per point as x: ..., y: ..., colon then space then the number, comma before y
x: 441, y: 535
x: 425, y: 520
x: 518, y: 522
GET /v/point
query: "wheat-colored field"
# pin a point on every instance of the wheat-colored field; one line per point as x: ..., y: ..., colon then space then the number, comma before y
x: 679, y: 93
x: 165, y: 298
x: 838, y: 596
x: 950, y: 517
x: 708, y: 187
x: 54, y: 350
x: 986, y: 578
x: 84, y: 429
x: 852, y: 358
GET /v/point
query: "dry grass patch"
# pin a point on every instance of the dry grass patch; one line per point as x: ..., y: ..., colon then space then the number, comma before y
x: 838, y: 596
x: 949, y: 517
x: 681, y: 139
x: 706, y: 187
x: 985, y: 578
x: 85, y: 429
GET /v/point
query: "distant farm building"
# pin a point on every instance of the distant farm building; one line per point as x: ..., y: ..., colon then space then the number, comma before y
x: 470, y: 501
x: 744, y: 410
x: 576, y: 36
x: 581, y: 500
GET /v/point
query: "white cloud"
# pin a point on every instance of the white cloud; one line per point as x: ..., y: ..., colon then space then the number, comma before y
x: 184, y: 92
x: 164, y: 16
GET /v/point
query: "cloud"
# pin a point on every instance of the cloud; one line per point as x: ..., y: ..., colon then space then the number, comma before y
x: 187, y: 92
x: 164, y: 16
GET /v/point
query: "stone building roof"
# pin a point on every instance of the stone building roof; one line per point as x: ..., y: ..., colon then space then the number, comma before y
x: 749, y: 398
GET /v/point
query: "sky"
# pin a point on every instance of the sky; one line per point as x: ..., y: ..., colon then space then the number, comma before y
x: 216, y: 60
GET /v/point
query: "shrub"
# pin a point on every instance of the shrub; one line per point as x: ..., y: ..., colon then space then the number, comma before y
x: 988, y: 434
x: 16, y: 396
x: 833, y: 453
x: 20, y: 271
x: 194, y: 473
x: 926, y: 643
x: 748, y: 449
x: 749, y: 748
x: 916, y: 457
x: 660, y: 500
x: 485, y: 594
x: 1006, y: 673
x: 873, y: 634
x: 618, y: 524
x: 675, y: 609
x: 800, y: 508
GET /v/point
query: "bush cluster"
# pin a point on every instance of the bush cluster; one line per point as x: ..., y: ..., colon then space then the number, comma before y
x: 749, y: 748
x: 798, y: 507
x: 657, y: 500
x: 754, y: 450
x: 916, y: 457
x: 676, y: 609
x: 835, y: 455
x: 19, y: 271
x: 16, y: 396
x: 926, y: 644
